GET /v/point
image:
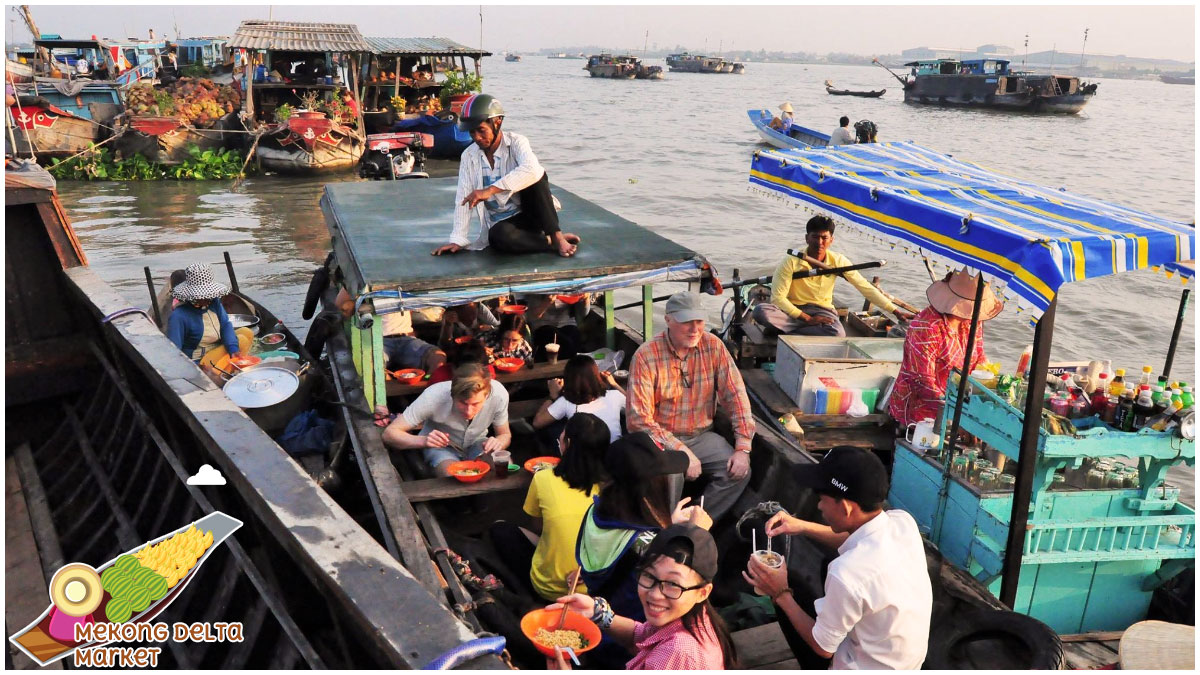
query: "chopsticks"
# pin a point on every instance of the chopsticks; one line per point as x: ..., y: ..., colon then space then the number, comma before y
x: 562, y: 618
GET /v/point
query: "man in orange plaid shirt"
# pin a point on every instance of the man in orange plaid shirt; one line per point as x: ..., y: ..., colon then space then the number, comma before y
x: 675, y: 384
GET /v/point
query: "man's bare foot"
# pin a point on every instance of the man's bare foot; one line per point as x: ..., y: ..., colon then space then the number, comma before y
x: 565, y: 248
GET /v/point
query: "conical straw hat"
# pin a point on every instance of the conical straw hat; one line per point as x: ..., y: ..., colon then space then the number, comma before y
x: 1158, y: 645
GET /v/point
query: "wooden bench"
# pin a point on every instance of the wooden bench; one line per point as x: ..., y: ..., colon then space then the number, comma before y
x: 539, y: 371
x: 764, y: 648
x: 433, y: 489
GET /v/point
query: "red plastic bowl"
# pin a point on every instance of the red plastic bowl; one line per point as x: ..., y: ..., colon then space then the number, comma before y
x: 548, y: 619
x: 572, y: 299
x: 530, y: 463
x: 456, y: 467
x: 512, y: 309
x: 509, y: 364
x: 411, y: 376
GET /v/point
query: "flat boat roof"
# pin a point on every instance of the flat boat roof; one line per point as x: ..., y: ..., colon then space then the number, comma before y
x: 383, y: 233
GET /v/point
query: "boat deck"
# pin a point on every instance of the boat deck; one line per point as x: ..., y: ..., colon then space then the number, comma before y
x: 384, y: 232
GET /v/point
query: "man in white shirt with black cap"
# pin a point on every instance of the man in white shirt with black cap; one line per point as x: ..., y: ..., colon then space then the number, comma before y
x: 878, y: 600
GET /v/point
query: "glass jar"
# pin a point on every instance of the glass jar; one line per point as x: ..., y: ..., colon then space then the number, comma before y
x: 1131, y: 477
x: 1095, y: 479
x: 1114, y: 478
x: 1006, y: 482
x: 979, y: 467
x: 988, y: 479
x: 959, y: 466
x: 1058, y: 482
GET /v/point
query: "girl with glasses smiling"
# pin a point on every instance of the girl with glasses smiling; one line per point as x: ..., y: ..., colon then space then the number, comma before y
x: 682, y: 631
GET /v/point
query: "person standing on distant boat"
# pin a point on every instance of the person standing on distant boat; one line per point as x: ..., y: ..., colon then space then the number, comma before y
x: 842, y: 135
x: 783, y: 123
x: 500, y: 178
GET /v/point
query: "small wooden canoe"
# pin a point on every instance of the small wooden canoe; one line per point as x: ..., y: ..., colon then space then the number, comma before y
x: 829, y: 89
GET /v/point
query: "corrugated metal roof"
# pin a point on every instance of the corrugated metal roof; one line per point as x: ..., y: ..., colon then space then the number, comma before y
x: 299, y: 37
x: 430, y: 46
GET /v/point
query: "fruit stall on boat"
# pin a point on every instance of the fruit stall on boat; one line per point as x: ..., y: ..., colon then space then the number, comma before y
x: 296, y: 119
x: 405, y: 68
x: 163, y: 123
x: 622, y: 67
x: 1078, y: 554
x: 106, y: 420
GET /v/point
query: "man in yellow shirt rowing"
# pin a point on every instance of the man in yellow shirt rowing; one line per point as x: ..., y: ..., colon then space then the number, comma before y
x: 804, y: 306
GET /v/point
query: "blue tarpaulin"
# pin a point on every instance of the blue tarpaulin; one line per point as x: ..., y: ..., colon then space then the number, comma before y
x: 1027, y: 239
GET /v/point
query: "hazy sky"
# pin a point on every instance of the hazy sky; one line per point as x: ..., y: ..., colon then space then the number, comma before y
x: 1157, y: 32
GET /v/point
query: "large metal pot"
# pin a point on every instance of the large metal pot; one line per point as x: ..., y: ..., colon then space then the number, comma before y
x: 245, y: 320
x: 270, y: 395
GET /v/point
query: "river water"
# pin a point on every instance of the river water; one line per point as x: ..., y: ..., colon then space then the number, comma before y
x: 674, y: 156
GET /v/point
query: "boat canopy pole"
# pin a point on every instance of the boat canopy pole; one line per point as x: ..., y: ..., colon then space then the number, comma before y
x: 902, y: 80
x: 1183, y: 303
x: 963, y: 385
x: 1027, y: 461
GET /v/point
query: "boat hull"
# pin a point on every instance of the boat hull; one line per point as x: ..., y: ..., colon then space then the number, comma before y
x: 1066, y: 104
x: 51, y: 133
x: 161, y: 142
x: 862, y: 94
x: 612, y: 71
x: 307, y: 147
x: 17, y: 72
x: 1045, y: 93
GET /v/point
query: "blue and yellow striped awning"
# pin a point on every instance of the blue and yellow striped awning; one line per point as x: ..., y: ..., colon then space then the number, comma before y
x: 1027, y: 239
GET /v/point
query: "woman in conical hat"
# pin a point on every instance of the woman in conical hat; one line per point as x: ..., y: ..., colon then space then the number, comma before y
x: 199, y: 325
x: 784, y: 121
x: 936, y: 343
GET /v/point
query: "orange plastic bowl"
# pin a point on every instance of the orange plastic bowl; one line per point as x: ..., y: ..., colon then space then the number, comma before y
x: 408, y: 375
x: 245, y: 361
x: 456, y: 467
x: 509, y: 364
x: 548, y: 619
x: 530, y: 463
x: 572, y: 299
x: 513, y: 309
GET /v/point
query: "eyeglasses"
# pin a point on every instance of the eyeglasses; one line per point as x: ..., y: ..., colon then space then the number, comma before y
x: 687, y: 381
x: 669, y: 589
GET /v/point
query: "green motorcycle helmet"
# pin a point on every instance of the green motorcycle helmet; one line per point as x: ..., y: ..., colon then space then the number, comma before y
x: 478, y: 108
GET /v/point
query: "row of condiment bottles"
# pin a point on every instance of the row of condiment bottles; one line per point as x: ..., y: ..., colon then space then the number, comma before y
x: 1119, y: 402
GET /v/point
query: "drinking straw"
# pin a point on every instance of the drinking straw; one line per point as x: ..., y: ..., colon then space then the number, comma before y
x: 768, y: 543
x: 754, y: 539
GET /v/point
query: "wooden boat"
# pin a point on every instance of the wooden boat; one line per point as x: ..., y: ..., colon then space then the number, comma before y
x: 1178, y: 79
x: 798, y: 137
x: 613, y: 67
x: 412, y: 509
x: 308, y: 142
x: 209, y: 52
x: 45, y: 130
x: 695, y: 63
x: 106, y: 421
x: 36, y: 639
x: 512, y: 58
x: 168, y: 140
x: 829, y: 89
x: 989, y: 83
x: 17, y: 72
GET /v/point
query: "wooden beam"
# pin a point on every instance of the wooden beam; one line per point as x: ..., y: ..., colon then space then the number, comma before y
x: 539, y: 371
x: 1094, y: 636
x: 433, y: 489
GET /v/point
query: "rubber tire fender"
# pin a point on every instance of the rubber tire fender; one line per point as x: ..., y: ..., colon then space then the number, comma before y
x: 316, y: 288
x: 1042, y: 644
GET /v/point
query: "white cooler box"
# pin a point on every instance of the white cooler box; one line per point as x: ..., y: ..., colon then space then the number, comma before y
x: 804, y: 364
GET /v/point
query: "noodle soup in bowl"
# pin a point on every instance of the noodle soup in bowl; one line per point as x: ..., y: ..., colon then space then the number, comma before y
x: 540, y: 627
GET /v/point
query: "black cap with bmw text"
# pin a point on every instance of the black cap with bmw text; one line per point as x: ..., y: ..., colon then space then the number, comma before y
x: 846, y: 473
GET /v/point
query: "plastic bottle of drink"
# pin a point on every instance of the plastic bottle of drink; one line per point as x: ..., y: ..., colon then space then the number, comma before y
x: 1080, y: 407
x: 1110, y: 410
x: 1177, y: 395
x: 1147, y: 375
x: 1023, y: 361
x: 1161, y: 400
x: 1143, y: 409
x: 1160, y: 421
x: 1188, y: 400
x: 1124, y: 418
x: 1100, y: 395
x: 1063, y: 384
x: 1117, y: 386
x: 1060, y: 405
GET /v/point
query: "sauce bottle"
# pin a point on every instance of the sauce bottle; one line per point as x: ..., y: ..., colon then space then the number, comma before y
x: 1117, y: 387
x: 1100, y: 395
x: 1147, y: 377
x: 1143, y: 408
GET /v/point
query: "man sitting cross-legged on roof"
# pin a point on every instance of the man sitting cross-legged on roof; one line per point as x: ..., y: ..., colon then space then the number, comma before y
x: 500, y: 178
x: 453, y: 418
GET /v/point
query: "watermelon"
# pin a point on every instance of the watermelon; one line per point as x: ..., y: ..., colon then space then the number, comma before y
x: 118, y: 610
x: 145, y: 575
x: 157, y: 587
x: 123, y: 586
x: 126, y: 562
x: 140, y: 599
x: 110, y: 576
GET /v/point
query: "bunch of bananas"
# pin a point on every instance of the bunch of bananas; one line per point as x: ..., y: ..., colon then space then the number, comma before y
x: 173, y: 558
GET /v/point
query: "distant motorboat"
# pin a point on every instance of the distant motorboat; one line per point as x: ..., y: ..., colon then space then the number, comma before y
x: 512, y: 58
x: 1178, y: 79
x: 829, y: 89
x: 798, y: 138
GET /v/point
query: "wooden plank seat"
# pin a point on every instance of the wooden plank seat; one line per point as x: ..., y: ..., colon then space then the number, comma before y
x: 539, y: 371
x: 433, y: 489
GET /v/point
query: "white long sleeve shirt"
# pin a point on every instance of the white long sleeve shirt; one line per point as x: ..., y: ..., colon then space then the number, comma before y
x: 516, y: 168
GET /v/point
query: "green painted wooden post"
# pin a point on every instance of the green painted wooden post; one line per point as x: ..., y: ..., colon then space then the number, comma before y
x: 610, y: 330
x: 378, y: 362
x: 647, y: 311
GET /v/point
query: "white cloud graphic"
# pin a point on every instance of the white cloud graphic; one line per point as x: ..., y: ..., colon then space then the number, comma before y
x: 207, y: 476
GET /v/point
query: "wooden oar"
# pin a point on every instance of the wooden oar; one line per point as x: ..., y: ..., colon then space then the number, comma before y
x: 562, y: 618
